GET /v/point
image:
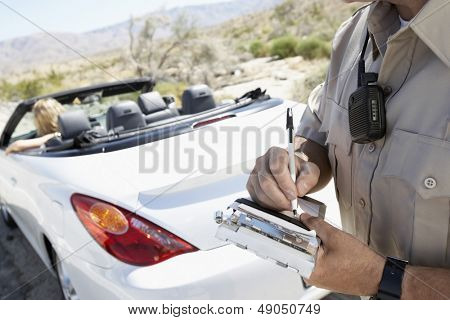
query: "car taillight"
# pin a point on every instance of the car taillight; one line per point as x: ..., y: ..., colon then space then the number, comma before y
x: 125, y: 235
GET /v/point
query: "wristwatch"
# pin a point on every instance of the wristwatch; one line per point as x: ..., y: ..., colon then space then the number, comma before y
x: 391, y: 283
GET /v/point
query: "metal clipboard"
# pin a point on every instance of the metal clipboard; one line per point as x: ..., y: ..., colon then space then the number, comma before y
x: 279, y: 237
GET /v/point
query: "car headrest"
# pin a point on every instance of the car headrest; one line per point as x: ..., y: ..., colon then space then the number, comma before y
x: 151, y: 102
x: 125, y: 115
x: 73, y: 123
x: 197, y: 99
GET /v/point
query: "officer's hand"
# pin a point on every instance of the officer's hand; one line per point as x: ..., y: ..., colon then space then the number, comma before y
x: 270, y: 184
x: 344, y: 264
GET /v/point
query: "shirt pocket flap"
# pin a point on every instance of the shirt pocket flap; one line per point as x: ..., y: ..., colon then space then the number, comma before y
x: 335, y: 124
x: 421, y: 161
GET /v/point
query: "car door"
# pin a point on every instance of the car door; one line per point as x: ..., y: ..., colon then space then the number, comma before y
x: 5, y: 184
x: 18, y: 185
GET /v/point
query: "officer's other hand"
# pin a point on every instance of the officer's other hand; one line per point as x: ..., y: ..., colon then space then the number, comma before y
x: 344, y: 264
x: 270, y: 184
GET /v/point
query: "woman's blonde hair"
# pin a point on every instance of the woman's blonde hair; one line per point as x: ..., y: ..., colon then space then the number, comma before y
x: 46, y: 112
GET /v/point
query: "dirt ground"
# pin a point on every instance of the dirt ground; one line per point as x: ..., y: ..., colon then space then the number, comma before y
x: 22, y: 273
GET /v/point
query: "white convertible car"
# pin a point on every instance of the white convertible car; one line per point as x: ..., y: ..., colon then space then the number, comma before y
x: 122, y: 206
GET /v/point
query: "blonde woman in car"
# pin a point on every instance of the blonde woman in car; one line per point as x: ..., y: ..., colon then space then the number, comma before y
x: 46, y: 112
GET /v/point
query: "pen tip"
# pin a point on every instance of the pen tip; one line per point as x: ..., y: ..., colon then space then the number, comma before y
x: 295, y: 212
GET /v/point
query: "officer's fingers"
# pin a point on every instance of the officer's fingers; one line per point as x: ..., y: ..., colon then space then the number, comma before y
x: 253, y: 176
x: 265, y: 191
x: 262, y: 198
x: 273, y: 191
x: 249, y: 185
x: 278, y: 163
x: 254, y: 191
x: 252, y: 186
x: 307, y: 178
x: 251, y: 191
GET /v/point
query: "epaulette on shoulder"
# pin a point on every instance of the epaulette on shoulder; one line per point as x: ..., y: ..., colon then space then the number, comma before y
x: 362, y: 8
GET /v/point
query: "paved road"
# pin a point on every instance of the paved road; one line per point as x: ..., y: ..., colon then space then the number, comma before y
x: 22, y: 273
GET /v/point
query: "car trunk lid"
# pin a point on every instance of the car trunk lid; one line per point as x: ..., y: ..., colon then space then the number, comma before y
x: 205, y: 177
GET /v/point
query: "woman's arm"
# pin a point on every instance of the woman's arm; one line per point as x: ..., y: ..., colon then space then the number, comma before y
x: 22, y: 145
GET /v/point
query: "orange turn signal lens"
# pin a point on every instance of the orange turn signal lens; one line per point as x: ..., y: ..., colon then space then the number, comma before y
x: 125, y: 235
x: 108, y: 218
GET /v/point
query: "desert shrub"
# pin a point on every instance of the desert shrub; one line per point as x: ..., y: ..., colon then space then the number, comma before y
x: 242, y: 47
x: 283, y: 12
x: 302, y: 88
x: 266, y: 30
x: 5, y: 89
x: 313, y: 48
x: 53, y: 81
x: 21, y: 90
x: 239, y: 32
x: 314, y: 80
x: 259, y: 49
x: 28, y: 88
x: 284, y: 47
x: 171, y: 88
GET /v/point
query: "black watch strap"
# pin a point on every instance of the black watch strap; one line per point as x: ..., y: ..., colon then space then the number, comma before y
x: 391, y: 282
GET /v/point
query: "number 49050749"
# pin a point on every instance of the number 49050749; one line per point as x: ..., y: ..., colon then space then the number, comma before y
x: 299, y: 308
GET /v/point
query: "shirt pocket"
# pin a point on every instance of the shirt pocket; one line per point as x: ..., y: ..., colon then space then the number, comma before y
x: 335, y: 124
x: 423, y: 164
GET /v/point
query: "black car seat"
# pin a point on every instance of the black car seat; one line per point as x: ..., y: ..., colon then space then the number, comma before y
x: 197, y: 99
x: 155, y: 108
x: 72, y: 124
x: 124, y: 116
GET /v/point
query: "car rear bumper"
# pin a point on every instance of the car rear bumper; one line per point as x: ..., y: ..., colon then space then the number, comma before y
x: 222, y: 273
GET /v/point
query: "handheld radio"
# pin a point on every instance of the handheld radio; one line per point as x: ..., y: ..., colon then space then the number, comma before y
x: 366, y: 106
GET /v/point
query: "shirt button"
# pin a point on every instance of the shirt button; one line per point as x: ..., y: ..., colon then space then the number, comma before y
x: 387, y: 90
x: 430, y: 183
x: 362, y: 203
x: 372, y: 147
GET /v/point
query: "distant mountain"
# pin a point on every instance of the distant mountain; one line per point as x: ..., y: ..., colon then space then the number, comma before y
x: 30, y: 51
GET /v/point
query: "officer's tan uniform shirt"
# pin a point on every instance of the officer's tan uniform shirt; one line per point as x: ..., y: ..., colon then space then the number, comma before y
x: 394, y: 194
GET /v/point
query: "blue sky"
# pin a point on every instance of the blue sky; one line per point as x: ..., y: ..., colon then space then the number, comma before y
x: 76, y: 16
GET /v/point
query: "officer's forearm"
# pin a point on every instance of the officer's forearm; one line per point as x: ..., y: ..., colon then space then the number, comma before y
x: 426, y: 283
x: 317, y: 155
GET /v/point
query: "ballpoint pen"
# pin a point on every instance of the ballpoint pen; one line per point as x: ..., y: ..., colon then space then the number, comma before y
x: 291, y: 150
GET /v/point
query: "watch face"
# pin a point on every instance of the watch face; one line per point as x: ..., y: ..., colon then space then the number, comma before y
x: 391, y: 282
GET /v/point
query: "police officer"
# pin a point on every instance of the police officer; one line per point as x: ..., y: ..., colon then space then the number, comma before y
x: 394, y: 193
